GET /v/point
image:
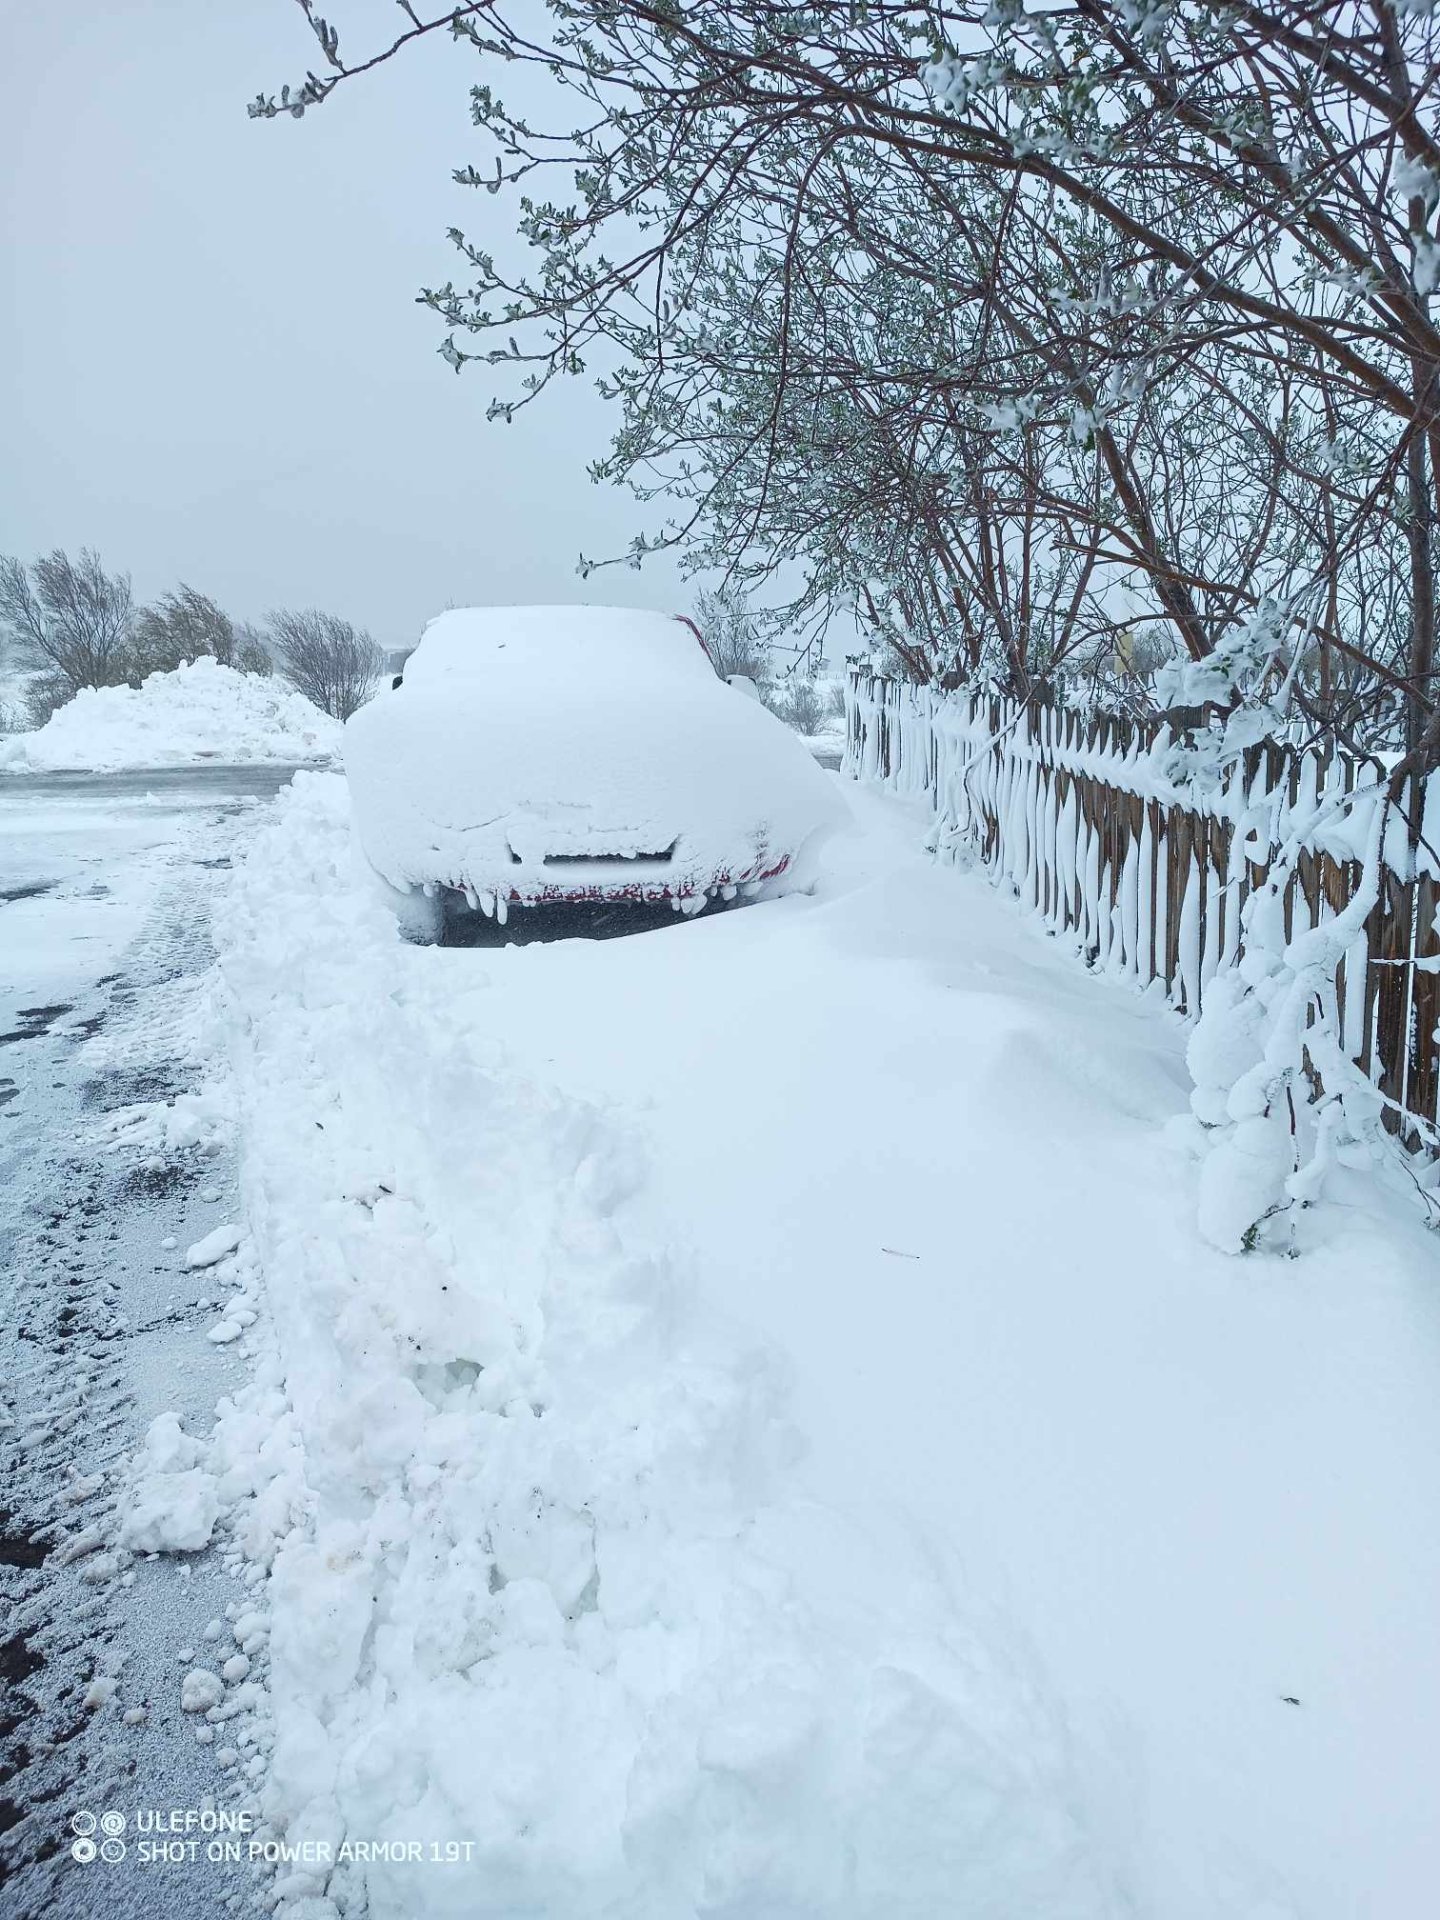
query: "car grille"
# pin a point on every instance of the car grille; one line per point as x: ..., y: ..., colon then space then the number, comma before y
x: 612, y: 862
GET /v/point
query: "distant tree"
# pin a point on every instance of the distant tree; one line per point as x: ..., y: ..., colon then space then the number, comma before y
x: 68, y: 618
x: 734, y: 633
x: 251, y: 653
x: 183, y: 625
x: 331, y: 662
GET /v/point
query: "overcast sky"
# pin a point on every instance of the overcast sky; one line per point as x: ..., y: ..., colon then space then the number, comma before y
x: 213, y: 366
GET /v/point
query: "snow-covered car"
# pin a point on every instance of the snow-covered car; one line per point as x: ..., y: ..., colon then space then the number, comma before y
x: 542, y: 754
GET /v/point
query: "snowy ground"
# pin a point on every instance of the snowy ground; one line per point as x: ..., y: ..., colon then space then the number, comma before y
x: 740, y: 1422
x: 922, y: 1152
x: 1126, y: 1502
x: 828, y: 746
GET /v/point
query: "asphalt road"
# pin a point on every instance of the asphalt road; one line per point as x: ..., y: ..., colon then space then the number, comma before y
x: 207, y: 782
x: 105, y: 890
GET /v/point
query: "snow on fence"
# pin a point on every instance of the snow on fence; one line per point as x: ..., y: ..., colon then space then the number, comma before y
x: 1082, y: 814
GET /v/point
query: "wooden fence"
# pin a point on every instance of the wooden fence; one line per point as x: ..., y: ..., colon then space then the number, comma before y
x: 1082, y: 813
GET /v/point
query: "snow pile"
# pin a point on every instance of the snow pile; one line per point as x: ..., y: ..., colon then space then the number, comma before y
x: 178, y: 1487
x: 162, y: 1130
x: 553, y: 1595
x: 201, y: 1691
x: 214, y: 1247
x: 171, y: 1504
x: 201, y: 711
x: 537, y: 753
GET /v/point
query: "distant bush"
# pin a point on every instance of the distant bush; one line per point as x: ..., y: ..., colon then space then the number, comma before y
x: 798, y: 703
x: 331, y: 662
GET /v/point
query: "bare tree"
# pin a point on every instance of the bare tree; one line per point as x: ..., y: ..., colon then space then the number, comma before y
x: 331, y: 662
x: 68, y: 618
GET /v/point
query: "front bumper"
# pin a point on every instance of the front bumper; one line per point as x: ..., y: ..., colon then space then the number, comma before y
x: 683, y: 894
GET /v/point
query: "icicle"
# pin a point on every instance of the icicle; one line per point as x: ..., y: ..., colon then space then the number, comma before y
x: 1190, y: 940
x: 1145, y: 903
x: 1210, y: 945
x: 1128, y: 909
x: 1096, y: 934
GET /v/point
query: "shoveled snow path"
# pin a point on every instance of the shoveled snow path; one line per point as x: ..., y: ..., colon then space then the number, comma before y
x: 921, y: 1150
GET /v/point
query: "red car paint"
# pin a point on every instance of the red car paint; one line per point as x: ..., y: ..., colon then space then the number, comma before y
x: 685, y: 620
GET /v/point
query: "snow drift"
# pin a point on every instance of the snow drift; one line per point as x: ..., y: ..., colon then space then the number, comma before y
x: 200, y: 711
x: 551, y: 1594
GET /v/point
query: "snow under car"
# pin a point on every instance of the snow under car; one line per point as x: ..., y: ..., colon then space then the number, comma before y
x: 535, y: 755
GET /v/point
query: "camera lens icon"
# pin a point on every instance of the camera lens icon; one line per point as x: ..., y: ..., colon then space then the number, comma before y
x: 84, y: 1851
x: 112, y: 1823
x: 82, y: 1823
x: 112, y: 1852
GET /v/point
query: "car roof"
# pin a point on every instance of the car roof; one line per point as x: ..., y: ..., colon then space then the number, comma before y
x: 558, y: 642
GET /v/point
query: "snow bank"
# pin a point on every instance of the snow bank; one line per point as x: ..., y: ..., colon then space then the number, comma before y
x: 201, y: 711
x: 553, y: 1595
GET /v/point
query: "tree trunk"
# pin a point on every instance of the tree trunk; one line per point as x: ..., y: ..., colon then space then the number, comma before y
x: 1420, y: 528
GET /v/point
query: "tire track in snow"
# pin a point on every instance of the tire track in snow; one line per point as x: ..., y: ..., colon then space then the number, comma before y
x: 92, y: 1330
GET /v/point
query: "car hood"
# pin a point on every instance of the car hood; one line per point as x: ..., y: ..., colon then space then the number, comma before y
x: 530, y: 793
